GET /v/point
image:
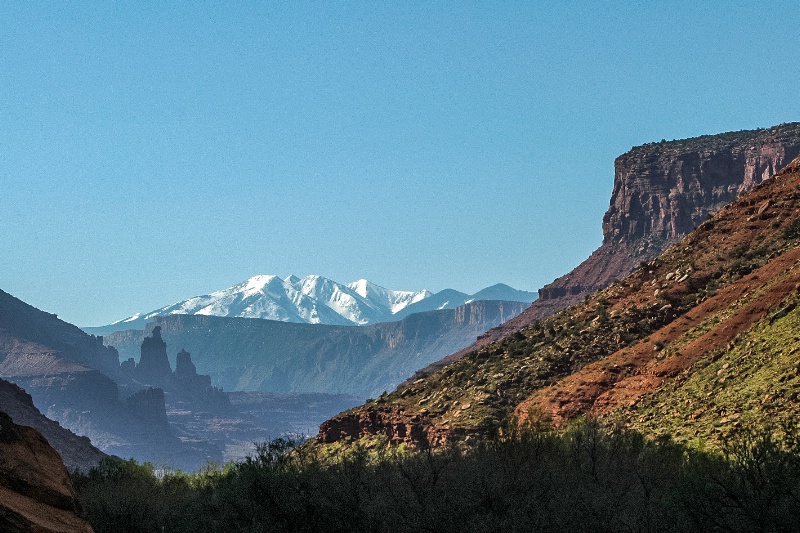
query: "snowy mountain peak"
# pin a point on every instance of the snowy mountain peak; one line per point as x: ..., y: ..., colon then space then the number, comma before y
x: 315, y: 299
x: 253, y: 285
x: 396, y: 301
x: 360, y: 286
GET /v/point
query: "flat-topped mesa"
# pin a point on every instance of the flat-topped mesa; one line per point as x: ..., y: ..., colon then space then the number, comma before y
x: 662, y: 191
x: 148, y: 405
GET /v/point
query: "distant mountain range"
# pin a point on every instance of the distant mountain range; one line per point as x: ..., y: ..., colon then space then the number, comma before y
x: 270, y: 356
x: 316, y: 300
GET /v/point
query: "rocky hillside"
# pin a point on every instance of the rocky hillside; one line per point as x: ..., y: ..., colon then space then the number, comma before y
x: 244, y: 354
x: 701, y: 337
x: 35, y: 491
x: 662, y: 191
x: 74, y: 379
x: 76, y: 451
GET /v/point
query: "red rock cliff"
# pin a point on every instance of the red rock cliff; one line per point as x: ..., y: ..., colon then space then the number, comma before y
x: 662, y: 191
x: 35, y: 490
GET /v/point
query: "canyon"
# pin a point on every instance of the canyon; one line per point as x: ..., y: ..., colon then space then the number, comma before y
x: 625, y: 350
x: 244, y: 354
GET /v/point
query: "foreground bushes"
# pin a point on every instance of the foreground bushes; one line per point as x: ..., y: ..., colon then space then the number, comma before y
x: 587, y: 478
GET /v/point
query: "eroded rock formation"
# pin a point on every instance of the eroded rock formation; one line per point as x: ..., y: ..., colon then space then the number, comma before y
x: 266, y: 355
x: 153, y: 367
x: 662, y: 191
x: 76, y: 451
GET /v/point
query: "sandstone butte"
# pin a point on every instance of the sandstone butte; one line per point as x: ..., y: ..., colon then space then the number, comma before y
x: 35, y: 491
x: 638, y: 338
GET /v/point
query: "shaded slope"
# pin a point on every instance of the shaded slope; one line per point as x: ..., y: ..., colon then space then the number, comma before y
x: 68, y: 374
x: 695, y: 298
x: 77, y: 452
x: 35, y: 491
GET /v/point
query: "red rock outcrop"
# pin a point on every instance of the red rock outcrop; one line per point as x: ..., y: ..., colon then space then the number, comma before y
x: 398, y: 425
x: 663, y: 191
x: 35, y: 491
x: 707, y: 296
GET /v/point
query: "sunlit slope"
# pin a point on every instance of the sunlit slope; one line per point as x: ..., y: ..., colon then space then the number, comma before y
x: 621, y: 346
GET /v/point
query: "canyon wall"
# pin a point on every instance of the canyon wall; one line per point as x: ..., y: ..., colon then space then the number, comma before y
x: 252, y: 354
x: 664, y: 190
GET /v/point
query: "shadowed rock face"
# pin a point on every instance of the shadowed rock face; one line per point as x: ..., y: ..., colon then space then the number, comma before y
x: 35, y: 490
x: 153, y: 367
x: 76, y: 451
x: 59, y: 366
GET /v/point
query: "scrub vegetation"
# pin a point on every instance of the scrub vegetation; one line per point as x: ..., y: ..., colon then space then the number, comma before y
x: 586, y: 476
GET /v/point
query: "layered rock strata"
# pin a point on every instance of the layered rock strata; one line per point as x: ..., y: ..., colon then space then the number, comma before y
x: 662, y: 191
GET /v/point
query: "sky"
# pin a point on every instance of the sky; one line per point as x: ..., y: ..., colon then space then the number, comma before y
x: 154, y: 151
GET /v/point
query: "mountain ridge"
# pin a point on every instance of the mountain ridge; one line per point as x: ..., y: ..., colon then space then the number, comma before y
x: 250, y: 354
x: 314, y: 300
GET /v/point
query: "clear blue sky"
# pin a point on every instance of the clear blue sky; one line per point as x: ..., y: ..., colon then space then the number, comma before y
x: 152, y: 151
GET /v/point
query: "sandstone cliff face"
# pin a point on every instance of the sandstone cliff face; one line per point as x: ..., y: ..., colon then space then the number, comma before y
x: 35, y: 490
x: 662, y: 191
x: 719, y: 308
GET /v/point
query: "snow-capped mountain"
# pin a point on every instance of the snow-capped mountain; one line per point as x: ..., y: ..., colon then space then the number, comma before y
x: 315, y: 300
x: 312, y: 299
x: 395, y: 301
